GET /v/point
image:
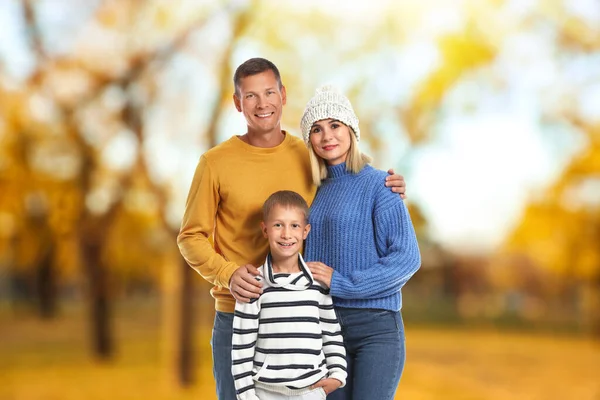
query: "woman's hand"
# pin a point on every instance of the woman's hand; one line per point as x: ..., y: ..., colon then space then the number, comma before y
x: 321, y: 272
x: 328, y: 385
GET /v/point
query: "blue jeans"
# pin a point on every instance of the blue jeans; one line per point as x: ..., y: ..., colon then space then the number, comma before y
x: 221, y: 352
x: 375, y: 351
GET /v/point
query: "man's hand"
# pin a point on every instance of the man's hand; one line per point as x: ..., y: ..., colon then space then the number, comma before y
x: 396, y: 182
x: 328, y: 385
x: 243, y: 284
x: 320, y: 272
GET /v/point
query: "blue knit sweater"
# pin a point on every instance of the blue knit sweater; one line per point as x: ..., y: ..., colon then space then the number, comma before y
x: 363, y: 231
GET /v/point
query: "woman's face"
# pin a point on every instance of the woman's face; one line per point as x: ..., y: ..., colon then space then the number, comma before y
x: 330, y: 140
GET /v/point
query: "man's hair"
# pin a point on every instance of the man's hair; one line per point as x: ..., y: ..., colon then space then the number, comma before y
x: 254, y: 66
x: 287, y: 199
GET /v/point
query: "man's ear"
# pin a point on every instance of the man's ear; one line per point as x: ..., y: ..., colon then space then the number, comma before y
x: 306, y: 230
x: 263, y: 228
x: 283, y: 97
x: 237, y: 102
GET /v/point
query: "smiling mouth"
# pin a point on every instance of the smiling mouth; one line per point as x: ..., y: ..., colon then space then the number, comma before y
x: 266, y: 115
x: 286, y: 244
x: 327, y: 148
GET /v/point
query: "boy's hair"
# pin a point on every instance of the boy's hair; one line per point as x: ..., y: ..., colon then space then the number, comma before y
x: 285, y: 198
x: 254, y: 66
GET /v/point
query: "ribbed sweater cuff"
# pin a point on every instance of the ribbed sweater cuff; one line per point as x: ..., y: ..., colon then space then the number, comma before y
x: 340, y: 376
x: 340, y: 286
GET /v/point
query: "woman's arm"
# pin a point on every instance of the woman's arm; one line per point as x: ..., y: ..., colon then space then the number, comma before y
x: 397, y: 243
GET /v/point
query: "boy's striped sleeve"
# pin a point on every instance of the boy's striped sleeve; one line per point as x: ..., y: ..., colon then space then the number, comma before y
x: 245, y: 334
x: 333, y: 342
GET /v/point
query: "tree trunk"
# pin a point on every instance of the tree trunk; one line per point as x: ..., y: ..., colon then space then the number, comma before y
x: 185, y: 350
x: 46, y: 284
x: 98, y: 292
x: 594, y: 308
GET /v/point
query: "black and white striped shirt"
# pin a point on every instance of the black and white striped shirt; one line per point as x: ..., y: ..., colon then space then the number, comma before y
x: 287, y: 339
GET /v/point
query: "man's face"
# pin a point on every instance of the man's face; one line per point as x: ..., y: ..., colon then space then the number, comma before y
x: 261, y: 101
x: 285, y: 228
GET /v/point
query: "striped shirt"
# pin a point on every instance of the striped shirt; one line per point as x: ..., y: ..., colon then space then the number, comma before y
x: 287, y: 339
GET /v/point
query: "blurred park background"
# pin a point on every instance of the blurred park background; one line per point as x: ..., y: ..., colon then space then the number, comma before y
x: 489, y: 108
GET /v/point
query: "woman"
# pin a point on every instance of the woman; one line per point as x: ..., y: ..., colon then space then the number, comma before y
x: 363, y: 244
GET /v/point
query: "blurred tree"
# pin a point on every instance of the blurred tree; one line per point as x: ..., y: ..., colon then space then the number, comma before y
x: 81, y: 95
x: 561, y: 232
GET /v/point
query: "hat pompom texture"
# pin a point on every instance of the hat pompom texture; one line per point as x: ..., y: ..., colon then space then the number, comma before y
x: 328, y: 103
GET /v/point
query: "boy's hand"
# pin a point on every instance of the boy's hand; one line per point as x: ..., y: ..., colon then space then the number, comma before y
x: 320, y: 272
x: 328, y: 385
x: 396, y: 182
x: 243, y: 286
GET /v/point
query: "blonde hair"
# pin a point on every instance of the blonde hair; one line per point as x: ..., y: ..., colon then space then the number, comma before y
x: 355, y: 161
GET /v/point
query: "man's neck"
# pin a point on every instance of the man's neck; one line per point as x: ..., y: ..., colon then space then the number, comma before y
x: 265, y: 140
x: 287, y: 265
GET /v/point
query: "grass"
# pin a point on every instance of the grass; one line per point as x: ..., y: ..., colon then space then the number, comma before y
x: 50, y: 360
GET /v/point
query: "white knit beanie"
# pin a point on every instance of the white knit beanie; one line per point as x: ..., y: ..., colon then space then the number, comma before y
x: 328, y: 103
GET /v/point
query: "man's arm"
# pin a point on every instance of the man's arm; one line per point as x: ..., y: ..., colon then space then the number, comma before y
x: 198, y: 225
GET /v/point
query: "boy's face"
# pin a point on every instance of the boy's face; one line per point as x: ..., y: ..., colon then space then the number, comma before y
x: 261, y: 101
x: 285, y: 228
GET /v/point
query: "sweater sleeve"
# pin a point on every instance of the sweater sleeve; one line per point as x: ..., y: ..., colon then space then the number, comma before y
x: 400, y: 258
x: 333, y: 345
x: 198, y: 225
x: 245, y: 334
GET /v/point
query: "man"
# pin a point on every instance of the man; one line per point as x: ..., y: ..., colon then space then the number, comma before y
x: 231, y: 182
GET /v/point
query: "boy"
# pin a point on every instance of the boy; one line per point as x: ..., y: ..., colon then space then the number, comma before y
x: 287, y: 343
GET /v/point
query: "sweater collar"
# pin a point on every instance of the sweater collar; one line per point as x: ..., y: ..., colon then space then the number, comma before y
x: 288, y: 282
x: 337, y: 171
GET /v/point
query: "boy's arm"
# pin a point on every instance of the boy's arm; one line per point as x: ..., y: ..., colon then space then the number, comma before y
x: 333, y: 342
x: 245, y: 334
x: 198, y: 225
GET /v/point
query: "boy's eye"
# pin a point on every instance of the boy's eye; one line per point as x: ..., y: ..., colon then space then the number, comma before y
x: 295, y: 226
x: 276, y: 225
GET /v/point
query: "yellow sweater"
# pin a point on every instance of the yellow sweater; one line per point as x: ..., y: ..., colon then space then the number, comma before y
x: 230, y: 185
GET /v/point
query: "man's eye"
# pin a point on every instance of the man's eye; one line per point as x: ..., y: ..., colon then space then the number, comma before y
x: 249, y: 95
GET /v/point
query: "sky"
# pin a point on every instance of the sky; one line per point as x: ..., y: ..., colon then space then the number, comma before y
x: 490, y: 153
